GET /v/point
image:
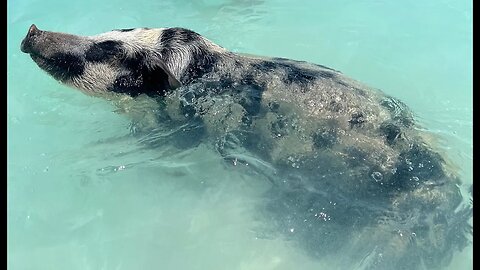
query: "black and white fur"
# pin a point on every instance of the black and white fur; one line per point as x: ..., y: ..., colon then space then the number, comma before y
x: 327, y: 139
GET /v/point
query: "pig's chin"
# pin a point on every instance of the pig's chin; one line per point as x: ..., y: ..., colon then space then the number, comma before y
x: 39, y: 59
x: 48, y: 66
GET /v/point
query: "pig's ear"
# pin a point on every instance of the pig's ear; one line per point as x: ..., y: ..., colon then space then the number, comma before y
x: 158, y: 80
x: 161, y: 69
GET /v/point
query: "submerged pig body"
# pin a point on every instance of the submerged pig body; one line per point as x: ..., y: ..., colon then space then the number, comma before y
x: 336, y: 148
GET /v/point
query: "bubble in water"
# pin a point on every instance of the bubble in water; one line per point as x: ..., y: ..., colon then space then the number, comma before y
x: 377, y: 176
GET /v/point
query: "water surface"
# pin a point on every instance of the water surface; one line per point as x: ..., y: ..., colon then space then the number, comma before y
x: 84, y: 194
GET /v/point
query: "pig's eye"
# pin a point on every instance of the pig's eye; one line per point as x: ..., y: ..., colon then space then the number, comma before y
x: 103, y: 51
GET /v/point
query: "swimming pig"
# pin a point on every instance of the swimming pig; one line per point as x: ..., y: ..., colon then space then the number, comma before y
x: 351, y: 171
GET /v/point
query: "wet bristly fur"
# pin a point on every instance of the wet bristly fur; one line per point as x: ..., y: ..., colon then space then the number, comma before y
x: 351, y: 170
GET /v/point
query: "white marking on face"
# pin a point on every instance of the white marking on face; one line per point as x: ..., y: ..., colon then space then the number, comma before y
x: 135, y: 40
x: 148, y: 37
x: 96, y: 78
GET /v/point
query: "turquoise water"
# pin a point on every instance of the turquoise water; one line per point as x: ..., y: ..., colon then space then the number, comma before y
x: 83, y: 194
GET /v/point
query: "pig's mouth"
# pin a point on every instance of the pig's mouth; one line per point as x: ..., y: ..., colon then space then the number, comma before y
x: 37, y: 57
x: 61, y: 66
x: 47, y: 65
x: 41, y: 61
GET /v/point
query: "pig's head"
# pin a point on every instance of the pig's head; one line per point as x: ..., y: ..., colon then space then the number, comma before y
x: 130, y: 61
